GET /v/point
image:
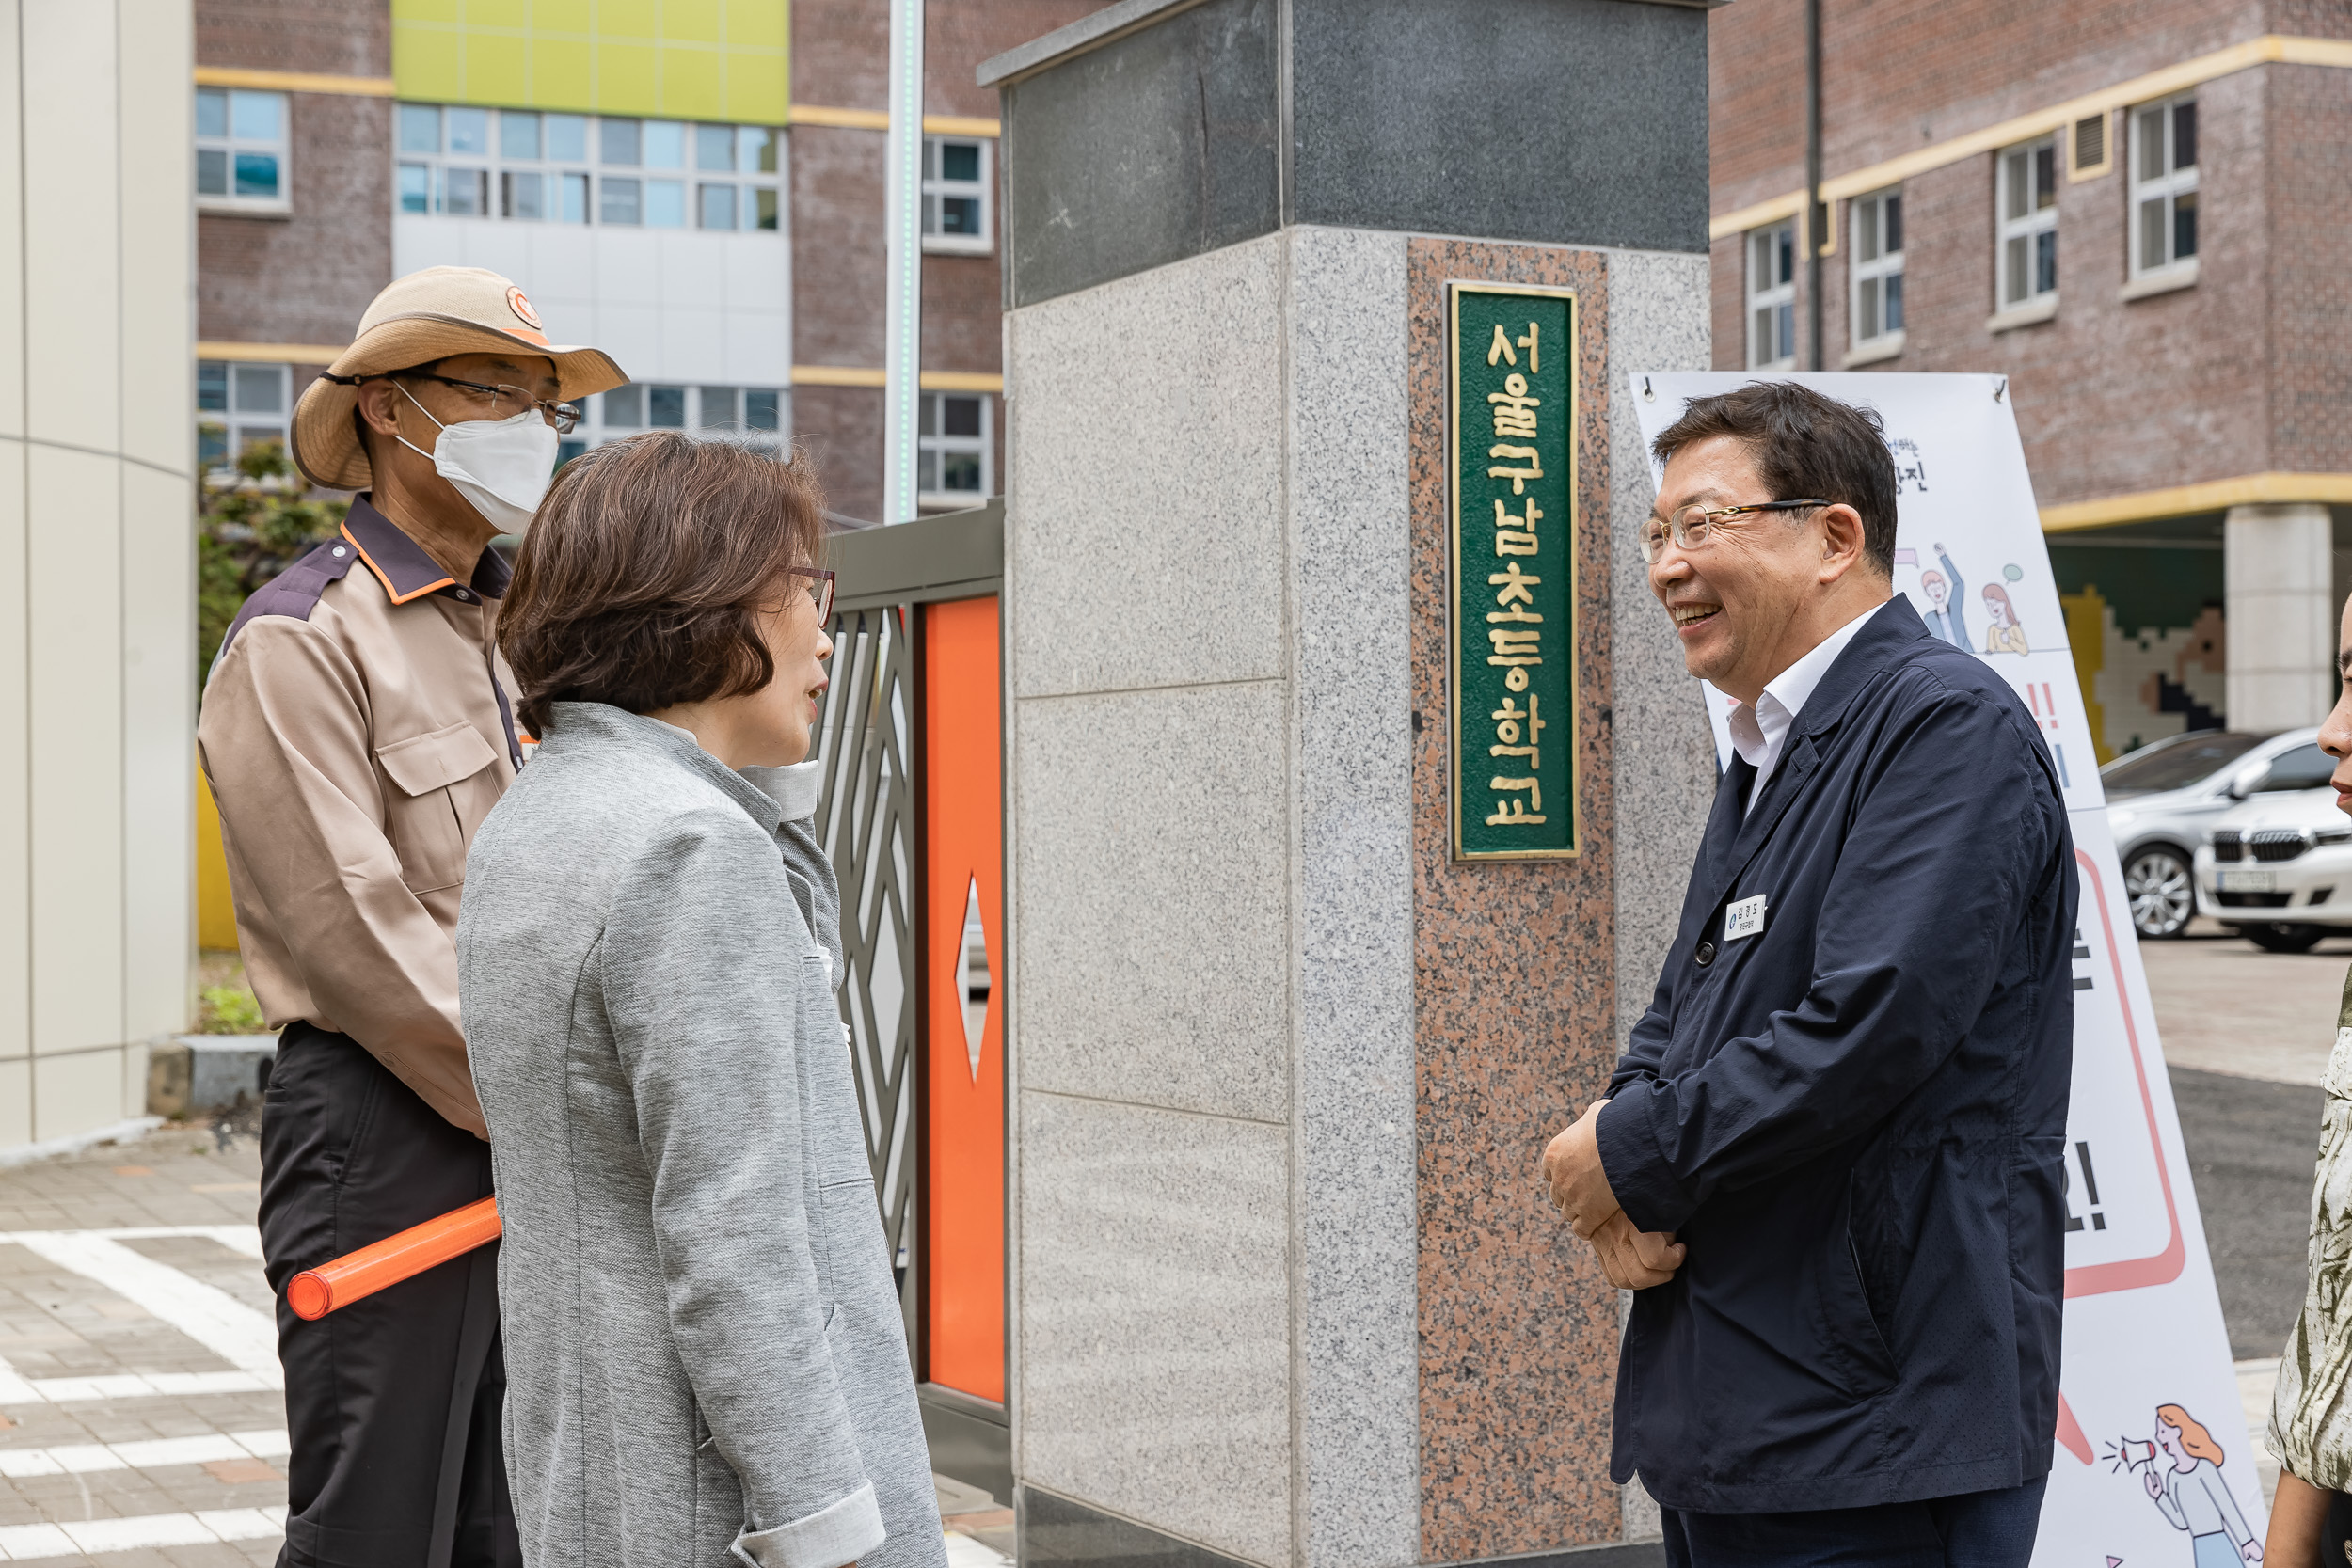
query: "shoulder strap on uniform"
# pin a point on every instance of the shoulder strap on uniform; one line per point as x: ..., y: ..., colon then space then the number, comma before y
x: 294, y: 590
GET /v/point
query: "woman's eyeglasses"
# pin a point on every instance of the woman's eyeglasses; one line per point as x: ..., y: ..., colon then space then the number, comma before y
x: 820, y: 590
x: 1691, y: 525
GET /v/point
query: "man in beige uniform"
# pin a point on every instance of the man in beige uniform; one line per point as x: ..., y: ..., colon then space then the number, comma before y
x: 357, y: 728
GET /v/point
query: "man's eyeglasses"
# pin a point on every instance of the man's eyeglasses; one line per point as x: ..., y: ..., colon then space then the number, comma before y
x: 506, y: 401
x: 1690, y: 526
x: 820, y: 590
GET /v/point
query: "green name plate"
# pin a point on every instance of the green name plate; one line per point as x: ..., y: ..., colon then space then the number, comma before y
x: 1511, y: 414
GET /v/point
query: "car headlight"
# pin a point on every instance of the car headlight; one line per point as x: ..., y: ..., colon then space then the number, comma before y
x: 2339, y: 834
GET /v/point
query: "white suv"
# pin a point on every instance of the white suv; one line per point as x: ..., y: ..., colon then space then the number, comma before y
x: 2285, y: 851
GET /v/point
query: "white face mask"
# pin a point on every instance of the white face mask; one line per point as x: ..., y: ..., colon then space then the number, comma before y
x: 501, y: 466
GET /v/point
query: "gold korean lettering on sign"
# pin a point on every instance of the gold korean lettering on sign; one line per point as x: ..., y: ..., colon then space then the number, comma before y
x: 1512, y: 614
x: 1515, y: 627
x: 1514, y: 410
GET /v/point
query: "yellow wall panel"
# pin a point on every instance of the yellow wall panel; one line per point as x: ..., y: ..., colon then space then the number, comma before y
x: 626, y: 80
x: 432, y: 65
x: 627, y: 18
x: 693, y: 21
x: 692, y: 76
x: 563, y: 73
x: 498, y: 69
x: 688, y: 59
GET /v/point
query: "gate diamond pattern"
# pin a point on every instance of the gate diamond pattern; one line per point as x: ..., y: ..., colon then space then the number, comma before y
x: 867, y: 819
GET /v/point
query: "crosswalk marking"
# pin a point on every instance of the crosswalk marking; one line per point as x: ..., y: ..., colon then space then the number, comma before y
x: 244, y: 1339
x: 146, y: 1454
x: 30, y: 1543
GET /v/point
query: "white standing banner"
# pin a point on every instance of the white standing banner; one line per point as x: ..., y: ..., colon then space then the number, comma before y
x: 2152, y: 1443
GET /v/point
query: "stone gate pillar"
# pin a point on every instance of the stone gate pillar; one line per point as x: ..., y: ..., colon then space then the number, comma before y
x: 1285, y: 1289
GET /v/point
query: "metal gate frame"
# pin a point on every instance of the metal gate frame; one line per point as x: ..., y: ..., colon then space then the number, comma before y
x: 870, y: 818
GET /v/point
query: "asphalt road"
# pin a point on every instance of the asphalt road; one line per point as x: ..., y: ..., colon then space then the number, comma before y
x: 2246, y: 1036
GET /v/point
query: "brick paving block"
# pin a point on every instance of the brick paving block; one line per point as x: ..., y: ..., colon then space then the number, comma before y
x: 241, y: 1472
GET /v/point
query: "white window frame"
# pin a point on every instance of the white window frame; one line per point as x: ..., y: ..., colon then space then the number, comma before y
x: 935, y: 446
x: 2037, y: 219
x: 1875, y: 271
x: 935, y: 188
x: 593, y: 172
x: 1771, y: 302
x: 229, y: 144
x: 238, y: 425
x: 595, y: 428
x: 2163, y: 190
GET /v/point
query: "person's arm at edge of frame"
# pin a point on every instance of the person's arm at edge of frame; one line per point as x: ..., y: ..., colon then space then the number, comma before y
x: 284, y: 741
x: 729, y: 1212
x: 2299, y: 1519
x: 1896, y: 984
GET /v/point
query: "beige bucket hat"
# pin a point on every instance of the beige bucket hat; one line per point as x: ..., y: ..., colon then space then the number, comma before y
x: 427, y: 315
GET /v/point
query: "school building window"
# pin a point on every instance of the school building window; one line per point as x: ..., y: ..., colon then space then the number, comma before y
x: 1876, y: 230
x: 958, y: 214
x: 239, y: 149
x: 758, y: 414
x: 1773, y: 297
x: 2164, y: 184
x: 2026, y: 260
x: 535, y: 168
x: 237, y: 406
x: 956, y: 450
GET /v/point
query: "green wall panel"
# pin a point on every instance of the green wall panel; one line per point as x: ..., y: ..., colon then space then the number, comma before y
x: 683, y: 59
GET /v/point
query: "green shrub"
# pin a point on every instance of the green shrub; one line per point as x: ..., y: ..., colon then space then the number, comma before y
x: 250, y: 526
x: 228, y: 1010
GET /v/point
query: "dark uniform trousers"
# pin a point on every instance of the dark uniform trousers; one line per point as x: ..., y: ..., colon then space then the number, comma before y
x: 392, y: 1402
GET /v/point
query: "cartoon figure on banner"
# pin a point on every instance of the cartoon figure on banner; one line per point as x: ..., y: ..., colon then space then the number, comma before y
x: 2179, y: 1467
x: 1947, y: 616
x: 2005, y: 636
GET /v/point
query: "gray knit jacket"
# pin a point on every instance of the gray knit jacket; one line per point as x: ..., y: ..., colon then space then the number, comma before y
x: 703, y: 1349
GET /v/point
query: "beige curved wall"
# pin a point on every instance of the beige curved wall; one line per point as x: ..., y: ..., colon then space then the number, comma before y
x: 97, y: 556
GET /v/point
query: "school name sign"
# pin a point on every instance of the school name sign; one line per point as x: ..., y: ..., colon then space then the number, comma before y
x: 1510, y: 412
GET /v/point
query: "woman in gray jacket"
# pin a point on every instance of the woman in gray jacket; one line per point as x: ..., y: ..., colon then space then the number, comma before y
x: 703, y: 1349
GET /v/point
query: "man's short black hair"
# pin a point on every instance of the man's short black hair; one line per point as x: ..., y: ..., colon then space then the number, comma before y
x: 359, y: 420
x: 1803, y: 444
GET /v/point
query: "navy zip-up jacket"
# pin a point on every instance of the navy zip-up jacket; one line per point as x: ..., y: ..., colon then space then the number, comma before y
x: 1855, y: 1118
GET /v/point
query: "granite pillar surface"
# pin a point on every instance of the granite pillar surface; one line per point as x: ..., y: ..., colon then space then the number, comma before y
x: 1286, y: 1288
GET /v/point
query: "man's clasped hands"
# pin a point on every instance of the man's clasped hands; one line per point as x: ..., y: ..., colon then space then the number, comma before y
x: 1633, y: 1259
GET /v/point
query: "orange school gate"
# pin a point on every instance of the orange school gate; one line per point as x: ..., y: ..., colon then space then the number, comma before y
x: 912, y: 814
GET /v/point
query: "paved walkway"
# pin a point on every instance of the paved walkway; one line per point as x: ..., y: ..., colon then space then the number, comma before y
x: 2247, y: 1035
x: 2225, y: 1006
x: 141, y: 1420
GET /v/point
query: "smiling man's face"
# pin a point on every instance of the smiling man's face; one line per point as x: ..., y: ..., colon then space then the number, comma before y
x: 1737, y: 599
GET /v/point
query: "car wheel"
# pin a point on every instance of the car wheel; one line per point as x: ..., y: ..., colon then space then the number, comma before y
x: 2284, y: 937
x: 2157, y: 883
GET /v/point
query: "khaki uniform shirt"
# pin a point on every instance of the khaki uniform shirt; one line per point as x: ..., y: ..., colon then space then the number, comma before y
x: 357, y: 729
x: 2311, y: 1411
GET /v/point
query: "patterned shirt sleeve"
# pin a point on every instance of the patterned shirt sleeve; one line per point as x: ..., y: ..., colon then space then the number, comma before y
x: 2310, y: 1417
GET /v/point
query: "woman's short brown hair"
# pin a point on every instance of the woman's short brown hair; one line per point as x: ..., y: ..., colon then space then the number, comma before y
x: 641, y: 579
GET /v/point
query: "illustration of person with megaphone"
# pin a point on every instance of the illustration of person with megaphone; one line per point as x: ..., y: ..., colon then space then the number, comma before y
x: 2181, y: 1469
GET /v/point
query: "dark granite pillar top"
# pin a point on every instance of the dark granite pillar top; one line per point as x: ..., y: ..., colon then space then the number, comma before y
x: 1160, y: 129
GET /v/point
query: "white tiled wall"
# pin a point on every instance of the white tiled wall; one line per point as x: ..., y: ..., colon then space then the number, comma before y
x: 671, y: 304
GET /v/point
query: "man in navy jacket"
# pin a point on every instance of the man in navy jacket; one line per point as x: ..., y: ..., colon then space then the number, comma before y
x: 1830, y: 1158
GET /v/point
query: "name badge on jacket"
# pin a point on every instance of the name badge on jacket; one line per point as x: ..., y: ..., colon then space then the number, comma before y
x: 1743, y: 919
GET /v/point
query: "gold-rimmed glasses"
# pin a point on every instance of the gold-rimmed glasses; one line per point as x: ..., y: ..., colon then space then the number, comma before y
x: 1690, y: 525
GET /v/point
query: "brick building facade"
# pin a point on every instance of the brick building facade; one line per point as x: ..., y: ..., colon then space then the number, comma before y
x: 2132, y: 209
x: 282, y: 280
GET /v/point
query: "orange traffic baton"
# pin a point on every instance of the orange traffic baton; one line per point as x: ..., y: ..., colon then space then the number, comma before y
x: 315, y: 1292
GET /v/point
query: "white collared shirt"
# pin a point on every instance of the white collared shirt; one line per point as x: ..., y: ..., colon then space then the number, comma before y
x: 1758, y: 731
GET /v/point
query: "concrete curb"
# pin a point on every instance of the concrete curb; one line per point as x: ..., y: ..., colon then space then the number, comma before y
x: 120, y: 1132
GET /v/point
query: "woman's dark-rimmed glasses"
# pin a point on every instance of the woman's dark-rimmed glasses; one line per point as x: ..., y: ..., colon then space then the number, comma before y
x: 820, y: 590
